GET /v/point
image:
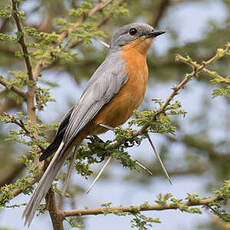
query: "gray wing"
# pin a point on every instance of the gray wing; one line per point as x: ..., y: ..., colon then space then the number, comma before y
x: 105, y: 83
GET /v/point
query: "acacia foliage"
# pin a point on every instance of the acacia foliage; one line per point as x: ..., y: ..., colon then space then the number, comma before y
x: 61, y: 40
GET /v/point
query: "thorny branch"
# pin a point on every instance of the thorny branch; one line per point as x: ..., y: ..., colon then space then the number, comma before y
x: 31, y: 77
x: 57, y: 215
x: 13, y: 88
x: 202, y: 67
x: 196, y: 70
x: 101, y: 23
x: 176, y: 90
x: 21, y: 39
x: 133, y: 209
x: 22, y: 125
x: 40, y: 65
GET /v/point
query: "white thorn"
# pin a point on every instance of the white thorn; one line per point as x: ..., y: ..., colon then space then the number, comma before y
x: 159, y: 159
x: 104, y: 43
x: 99, y: 174
x: 144, y: 167
x: 107, y: 127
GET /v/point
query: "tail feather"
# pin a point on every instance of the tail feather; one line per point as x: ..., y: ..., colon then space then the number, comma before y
x: 69, y: 171
x: 52, y: 147
x: 44, y: 185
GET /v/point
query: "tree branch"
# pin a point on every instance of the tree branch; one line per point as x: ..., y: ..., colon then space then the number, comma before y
x: 21, y: 39
x: 56, y: 214
x: 13, y: 88
x: 196, y: 70
x: 101, y: 23
x: 201, y: 67
x: 31, y: 181
x: 134, y: 209
x: 40, y: 65
x: 22, y: 125
x: 32, y: 86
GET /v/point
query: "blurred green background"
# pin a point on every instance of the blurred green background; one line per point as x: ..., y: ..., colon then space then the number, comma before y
x: 197, y: 157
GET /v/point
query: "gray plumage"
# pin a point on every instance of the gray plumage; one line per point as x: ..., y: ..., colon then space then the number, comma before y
x: 105, y: 83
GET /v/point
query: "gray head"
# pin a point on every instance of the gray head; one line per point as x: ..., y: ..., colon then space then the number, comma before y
x: 131, y: 32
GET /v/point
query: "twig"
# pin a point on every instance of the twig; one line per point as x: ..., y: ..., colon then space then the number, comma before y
x: 106, y: 19
x: 202, y: 67
x: 134, y: 209
x: 40, y: 65
x: 13, y: 88
x: 18, y: 191
x: 22, y: 125
x: 100, y: 24
x: 21, y: 39
x: 176, y: 90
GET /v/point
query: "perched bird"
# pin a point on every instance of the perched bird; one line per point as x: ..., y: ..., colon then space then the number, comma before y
x: 114, y: 91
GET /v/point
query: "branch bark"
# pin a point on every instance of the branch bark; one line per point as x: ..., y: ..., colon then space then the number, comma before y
x: 56, y: 214
x: 13, y: 88
x: 202, y: 67
x: 21, y: 39
x: 134, y: 209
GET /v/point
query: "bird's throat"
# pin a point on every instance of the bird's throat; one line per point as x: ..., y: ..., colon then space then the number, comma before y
x: 141, y: 45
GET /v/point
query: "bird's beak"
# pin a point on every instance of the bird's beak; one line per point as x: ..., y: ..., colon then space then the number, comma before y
x: 155, y: 33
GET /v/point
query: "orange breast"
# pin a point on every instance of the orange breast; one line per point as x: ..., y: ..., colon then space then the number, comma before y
x: 131, y: 95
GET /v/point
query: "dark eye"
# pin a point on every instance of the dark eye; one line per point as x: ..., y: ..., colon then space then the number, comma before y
x: 132, y: 31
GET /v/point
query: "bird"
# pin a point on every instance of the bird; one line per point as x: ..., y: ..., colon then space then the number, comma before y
x: 114, y: 91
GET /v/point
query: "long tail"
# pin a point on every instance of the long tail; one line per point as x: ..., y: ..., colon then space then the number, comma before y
x: 44, y: 185
x: 69, y: 171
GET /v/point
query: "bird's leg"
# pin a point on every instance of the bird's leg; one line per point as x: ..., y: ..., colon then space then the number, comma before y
x: 158, y: 157
x: 112, y: 129
x: 99, y: 140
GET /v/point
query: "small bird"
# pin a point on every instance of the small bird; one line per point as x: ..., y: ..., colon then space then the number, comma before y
x: 114, y: 91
